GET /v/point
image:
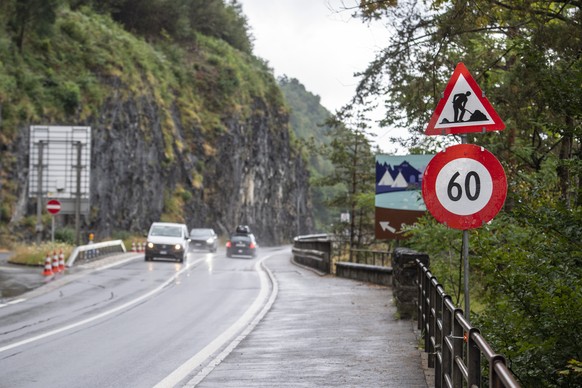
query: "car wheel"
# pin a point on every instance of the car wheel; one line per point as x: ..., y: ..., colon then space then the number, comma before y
x: 147, y: 258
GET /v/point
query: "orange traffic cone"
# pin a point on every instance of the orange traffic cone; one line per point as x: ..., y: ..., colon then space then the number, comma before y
x: 61, y: 261
x: 56, y: 262
x: 48, y: 268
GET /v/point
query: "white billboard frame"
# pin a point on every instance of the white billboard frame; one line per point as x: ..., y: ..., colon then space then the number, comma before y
x: 64, y: 173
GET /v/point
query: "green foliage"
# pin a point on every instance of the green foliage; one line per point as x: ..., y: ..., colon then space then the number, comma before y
x: 526, y: 265
x: 526, y: 270
x: 181, y: 20
x: 352, y: 178
x: 25, y: 18
x: 66, y: 235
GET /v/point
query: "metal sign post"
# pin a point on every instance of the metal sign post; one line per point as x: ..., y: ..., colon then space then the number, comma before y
x: 466, y: 273
x: 464, y: 186
x: 467, y: 310
x: 39, y: 169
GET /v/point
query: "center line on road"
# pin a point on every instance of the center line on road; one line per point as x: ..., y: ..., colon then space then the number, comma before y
x: 246, y: 319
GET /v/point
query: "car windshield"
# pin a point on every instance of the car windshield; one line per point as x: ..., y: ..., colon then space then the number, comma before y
x: 167, y: 231
x: 240, y: 238
x: 201, y: 232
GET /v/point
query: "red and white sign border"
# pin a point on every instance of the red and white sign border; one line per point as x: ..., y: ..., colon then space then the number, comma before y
x: 488, y: 211
x: 496, y: 125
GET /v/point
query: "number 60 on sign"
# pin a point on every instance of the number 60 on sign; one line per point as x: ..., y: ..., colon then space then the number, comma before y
x: 464, y: 186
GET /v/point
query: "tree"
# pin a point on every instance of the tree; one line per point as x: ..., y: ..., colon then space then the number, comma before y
x: 526, y: 56
x: 181, y: 19
x: 29, y: 16
x: 351, y: 154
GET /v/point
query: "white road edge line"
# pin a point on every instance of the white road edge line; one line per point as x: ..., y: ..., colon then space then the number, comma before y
x: 15, y: 301
x: 102, y: 315
x: 246, y: 319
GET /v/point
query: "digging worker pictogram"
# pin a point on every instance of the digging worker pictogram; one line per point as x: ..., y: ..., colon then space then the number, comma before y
x: 459, y: 102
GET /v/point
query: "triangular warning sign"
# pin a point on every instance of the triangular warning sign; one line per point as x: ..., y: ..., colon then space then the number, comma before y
x: 463, y: 108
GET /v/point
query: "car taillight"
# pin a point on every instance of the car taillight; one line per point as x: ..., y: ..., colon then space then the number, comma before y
x: 228, y: 244
x: 252, y: 245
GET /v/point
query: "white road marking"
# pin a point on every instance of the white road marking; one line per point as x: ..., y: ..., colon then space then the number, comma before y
x: 102, y: 315
x: 246, y: 319
x: 12, y: 302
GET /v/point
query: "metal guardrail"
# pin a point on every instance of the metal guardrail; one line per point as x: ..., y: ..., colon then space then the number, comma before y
x: 92, y: 251
x: 369, y: 257
x: 455, y: 348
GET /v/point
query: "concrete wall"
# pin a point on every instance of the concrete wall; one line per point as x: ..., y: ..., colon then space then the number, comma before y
x: 364, y: 272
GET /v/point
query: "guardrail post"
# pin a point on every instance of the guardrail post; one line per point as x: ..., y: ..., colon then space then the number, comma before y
x: 457, y: 356
x: 473, y: 360
x: 446, y: 342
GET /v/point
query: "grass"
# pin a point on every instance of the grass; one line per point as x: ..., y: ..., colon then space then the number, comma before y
x: 35, y: 254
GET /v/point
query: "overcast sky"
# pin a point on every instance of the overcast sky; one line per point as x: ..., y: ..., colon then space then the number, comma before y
x: 317, y: 42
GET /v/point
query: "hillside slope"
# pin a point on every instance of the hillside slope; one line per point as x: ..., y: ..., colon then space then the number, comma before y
x: 197, y: 134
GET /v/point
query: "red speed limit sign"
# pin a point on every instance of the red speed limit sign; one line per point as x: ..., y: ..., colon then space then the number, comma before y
x: 464, y: 186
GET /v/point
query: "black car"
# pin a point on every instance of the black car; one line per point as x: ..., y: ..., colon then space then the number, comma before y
x: 241, y: 244
x: 204, y: 238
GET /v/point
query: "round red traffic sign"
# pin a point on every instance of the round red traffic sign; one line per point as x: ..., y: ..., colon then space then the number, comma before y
x: 53, y: 206
x: 464, y: 186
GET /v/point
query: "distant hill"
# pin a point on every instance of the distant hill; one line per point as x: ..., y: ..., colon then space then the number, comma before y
x: 307, y: 118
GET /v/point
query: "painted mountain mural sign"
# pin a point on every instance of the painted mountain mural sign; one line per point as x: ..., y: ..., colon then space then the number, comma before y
x: 398, y: 197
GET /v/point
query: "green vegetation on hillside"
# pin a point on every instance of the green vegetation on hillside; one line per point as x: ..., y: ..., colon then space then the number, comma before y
x: 65, y: 61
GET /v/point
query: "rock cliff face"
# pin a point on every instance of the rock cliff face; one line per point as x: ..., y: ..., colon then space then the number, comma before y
x: 250, y: 175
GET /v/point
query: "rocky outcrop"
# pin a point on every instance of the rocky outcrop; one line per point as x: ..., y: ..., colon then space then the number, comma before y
x: 251, y: 176
x: 246, y: 173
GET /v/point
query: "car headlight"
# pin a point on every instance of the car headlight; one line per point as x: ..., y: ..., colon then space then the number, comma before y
x: 150, y: 245
x: 210, y: 240
x: 177, y: 247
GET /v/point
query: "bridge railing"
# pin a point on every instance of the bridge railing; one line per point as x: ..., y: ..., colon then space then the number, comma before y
x: 314, y: 251
x: 455, y: 349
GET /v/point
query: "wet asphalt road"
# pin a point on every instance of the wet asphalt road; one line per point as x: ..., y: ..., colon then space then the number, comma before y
x: 320, y: 331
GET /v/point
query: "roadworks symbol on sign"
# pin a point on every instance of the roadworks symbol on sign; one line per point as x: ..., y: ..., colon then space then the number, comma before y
x: 463, y: 108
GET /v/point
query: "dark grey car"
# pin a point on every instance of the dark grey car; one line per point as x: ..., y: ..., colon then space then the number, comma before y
x: 204, y: 238
x: 241, y: 245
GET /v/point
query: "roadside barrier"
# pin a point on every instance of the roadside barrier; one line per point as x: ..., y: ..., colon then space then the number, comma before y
x: 95, y: 250
x: 133, y: 247
x: 48, y: 267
